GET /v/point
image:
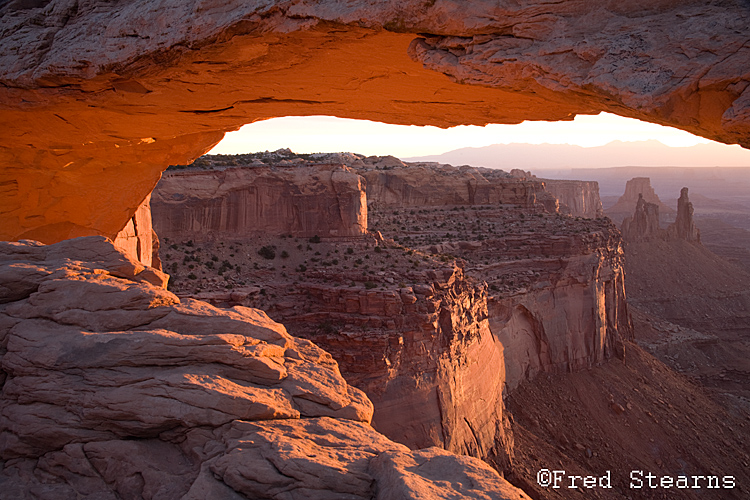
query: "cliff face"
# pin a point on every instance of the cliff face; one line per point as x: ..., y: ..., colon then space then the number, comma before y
x: 572, y: 316
x: 328, y: 201
x: 113, y: 387
x: 98, y: 99
x: 425, y: 355
x: 577, y: 198
x: 418, y: 185
x: 138, y: 240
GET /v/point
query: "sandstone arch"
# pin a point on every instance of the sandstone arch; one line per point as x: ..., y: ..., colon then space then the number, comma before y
x: 97, y: 98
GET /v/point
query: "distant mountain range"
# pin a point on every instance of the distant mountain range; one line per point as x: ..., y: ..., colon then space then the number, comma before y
x: 615, y: 154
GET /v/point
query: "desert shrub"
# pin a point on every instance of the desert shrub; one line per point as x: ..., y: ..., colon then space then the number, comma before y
x: 350, y: 250
x: 192, y: 276
x: 370, y: 285
x: 267, y: 252
x: 315, y: 239
x: 284, y: 254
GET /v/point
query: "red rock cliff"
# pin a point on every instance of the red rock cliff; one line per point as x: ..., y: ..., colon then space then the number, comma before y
x: 573, y: 313
x: 424, y: 354
x: 577, y: 198
x: 418, y: 185
x: 327, y: 201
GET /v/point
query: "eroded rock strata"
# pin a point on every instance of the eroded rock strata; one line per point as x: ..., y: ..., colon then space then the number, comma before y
x: 644, y: 224
x: 99, y: 97
x: 242, y: 201
x: 577, y: 198
x: 113, y: 387
x: 406, y: 311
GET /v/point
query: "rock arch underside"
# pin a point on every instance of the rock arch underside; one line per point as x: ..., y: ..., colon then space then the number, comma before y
x: 97, y: 98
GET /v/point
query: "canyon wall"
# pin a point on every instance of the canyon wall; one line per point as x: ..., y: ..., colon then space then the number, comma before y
x: 577, y: 198
x: 97, y: 99
x: 421, y: 336
x: 574, y: 313
x: 324, y: 200
x: 417, y: 185
x: 113, y: 387
x: 424, y: 354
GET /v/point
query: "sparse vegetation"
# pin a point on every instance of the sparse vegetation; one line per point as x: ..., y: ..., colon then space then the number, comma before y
x: 267, y: 252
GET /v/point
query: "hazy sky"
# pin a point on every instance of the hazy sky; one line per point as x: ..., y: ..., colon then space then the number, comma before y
x: 329, y: 134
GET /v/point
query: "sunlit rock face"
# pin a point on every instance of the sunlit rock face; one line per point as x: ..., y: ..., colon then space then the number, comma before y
x: 98, y: 98
x: 138, y: 239
x: 574, y: 319
x: 327, y: 201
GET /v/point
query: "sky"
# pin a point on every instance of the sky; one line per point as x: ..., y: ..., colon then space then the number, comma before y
x: 315, y: 134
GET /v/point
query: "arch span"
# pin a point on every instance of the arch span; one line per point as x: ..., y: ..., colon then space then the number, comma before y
x: 98, y: 98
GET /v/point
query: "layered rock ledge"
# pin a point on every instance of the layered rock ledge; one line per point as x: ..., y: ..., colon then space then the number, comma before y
x: 327, y: 200
x: 113, y: 387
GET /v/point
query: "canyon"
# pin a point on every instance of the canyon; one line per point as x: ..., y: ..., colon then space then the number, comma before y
x: 115, y: 387
x: 691, y: 303
x: 465, y: 286
x: 442, y: 305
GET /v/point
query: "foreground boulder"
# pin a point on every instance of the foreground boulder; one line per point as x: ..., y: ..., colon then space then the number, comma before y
x: 115, y: 388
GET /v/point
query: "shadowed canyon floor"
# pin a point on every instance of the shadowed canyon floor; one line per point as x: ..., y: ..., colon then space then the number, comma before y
x: 637, y: 415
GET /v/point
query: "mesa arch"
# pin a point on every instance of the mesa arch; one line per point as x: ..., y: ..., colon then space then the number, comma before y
x: 98, y: 98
